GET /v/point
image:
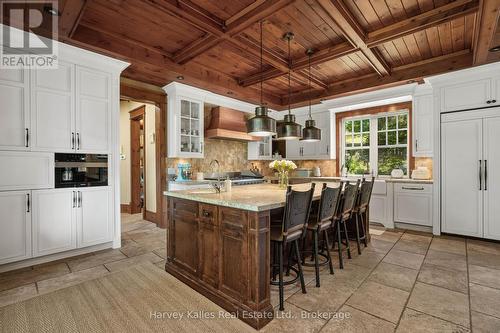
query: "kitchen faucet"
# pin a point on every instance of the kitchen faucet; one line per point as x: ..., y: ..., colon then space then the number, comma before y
x: 217, y: 186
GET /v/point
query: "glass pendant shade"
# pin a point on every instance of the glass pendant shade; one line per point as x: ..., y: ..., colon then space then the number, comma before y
x: 261, y: 124
x: 289, y: 129
x: 310, y: 133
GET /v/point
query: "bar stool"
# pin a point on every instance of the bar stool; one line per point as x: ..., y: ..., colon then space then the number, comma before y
x: 319, y: 223
x: 360, y: 212
x: 348, y: 203
x: 290, y: 231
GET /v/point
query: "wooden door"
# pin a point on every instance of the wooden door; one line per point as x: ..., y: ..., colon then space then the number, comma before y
x: 54, y: 221
x: 93, y: 110
x: 15, y: 124
x: 94, y: 218
x: 461, y: 184
x: 491, y: 172
x: 15, y: 226
x: 52, y: 109
x: 138, y: 160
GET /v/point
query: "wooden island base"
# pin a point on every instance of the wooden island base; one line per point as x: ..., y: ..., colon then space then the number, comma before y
x: 224, y: 254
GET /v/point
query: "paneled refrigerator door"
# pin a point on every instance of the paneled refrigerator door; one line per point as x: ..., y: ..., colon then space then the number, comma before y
x: 491, y: 175
x: 461, y: 178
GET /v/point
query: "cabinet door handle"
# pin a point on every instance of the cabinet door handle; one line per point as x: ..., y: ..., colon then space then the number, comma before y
x: 79, y: 199
x: 28, y: 204
x: 327, y: 149
x: 78, y: 141
x: 488, y: 102
x: 27, y: 137
x: 413, y: 188
x: 205, y: 213
x: 416, y: 144
x: 72, y: 140
x: 74, y: 199
x: 486, y: 175
x: 480, y: 175
x: 493, y: 101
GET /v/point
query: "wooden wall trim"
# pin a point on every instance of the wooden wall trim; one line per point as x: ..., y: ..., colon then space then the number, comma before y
x: 159, y: 99
x: 125, y: 208
x: 370, y: 111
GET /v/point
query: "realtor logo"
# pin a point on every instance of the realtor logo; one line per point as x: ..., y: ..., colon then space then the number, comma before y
x: 28, y: 34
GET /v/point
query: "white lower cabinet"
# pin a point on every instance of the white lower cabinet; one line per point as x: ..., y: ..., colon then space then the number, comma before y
x: 66, y: 219
x: 54, y: 221
x: 94, y: 218
x: 413, y: 204
x: 15, y: 226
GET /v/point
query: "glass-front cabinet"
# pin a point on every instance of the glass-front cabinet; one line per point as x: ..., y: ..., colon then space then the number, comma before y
x: 261, y: 150
x: 186, y: 139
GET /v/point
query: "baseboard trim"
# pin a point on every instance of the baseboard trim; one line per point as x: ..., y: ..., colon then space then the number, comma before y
x: 151, y: 217
x: 125, y: 208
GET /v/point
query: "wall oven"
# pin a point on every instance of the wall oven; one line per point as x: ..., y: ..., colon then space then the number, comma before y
x: 81, y: 170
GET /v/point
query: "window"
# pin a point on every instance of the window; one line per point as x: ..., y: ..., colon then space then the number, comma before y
x: 375, y: 143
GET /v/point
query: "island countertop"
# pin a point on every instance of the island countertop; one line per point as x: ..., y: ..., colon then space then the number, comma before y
x: 257, y: 198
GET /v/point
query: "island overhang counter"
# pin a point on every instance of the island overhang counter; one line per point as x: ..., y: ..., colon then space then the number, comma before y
x: 219, y: 245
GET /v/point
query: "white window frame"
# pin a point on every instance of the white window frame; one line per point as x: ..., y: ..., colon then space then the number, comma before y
x: 373, y: 159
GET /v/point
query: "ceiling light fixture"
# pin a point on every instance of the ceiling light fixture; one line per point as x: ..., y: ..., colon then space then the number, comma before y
x: 289, y: 129
x: 180, y: 77
x: 310, y: 133
x: 495, y: 49
x: 261, y: 124
x: 51, y: 10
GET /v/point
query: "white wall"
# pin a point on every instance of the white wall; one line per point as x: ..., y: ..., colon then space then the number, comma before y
x: 125, y: 107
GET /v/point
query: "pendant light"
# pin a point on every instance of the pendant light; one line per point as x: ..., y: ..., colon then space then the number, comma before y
x: 261, y: 124
x: 289, y: 129
x: 310, y: 133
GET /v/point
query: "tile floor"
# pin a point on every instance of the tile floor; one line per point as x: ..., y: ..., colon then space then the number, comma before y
x: 403, y: 281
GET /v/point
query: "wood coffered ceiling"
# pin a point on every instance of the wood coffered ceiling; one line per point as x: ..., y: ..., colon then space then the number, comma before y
x: 214, y: 44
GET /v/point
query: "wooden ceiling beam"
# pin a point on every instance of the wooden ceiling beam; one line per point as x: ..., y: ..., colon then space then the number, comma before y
x: 318, y: 57
x: 196, y: 48
x: 253, y: 47
x: 161, y: 66
x: 70, y: 16
x: 431, y: 18
x: 486, y: 26
x: 399, y: 75
x: 353, y: 32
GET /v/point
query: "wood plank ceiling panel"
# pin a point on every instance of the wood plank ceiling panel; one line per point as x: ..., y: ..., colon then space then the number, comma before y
x: 223, y: 9
x: 443, y: 39
x: 141, y: 23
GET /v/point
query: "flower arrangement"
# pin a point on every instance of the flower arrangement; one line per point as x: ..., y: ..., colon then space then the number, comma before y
x: 283, y: 167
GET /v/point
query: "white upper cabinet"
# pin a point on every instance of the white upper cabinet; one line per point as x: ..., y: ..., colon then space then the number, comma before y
x: 326, y: 147
x: 423, y: 120
x: 53, y: 108
x: 261, y: 150
x: 15, y: 226
x: 185, y: 130
x: 468, y: 95
x: 14, y: 113
x: 93, y: 110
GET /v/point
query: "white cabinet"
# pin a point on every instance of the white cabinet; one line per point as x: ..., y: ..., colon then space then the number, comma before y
x: 66, y: 219
x: 15, y: 226
x: 186, y: 130
x: 94, y: 216
x: 14, y: 113
x: 469, y: 173
x: 93, y: 110
x: 260, y: 150
x: 71, y: 109
x: 423, y: 120
x: 26, y: 170
x: 413, y: 204
x: 53, y: 108
x: 301, y: 150
x: 54, y: 221
x: 491, y: 172
x: 470, y: 94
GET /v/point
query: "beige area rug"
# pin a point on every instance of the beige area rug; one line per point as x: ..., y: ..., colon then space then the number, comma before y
x: 138, y: 299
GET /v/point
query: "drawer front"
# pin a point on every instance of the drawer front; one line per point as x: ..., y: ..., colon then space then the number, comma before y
x: 26, y: 171
x: 413, y: 188
x: 184, y: 208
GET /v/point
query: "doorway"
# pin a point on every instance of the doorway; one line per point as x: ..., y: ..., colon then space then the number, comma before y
x: 138, y: 161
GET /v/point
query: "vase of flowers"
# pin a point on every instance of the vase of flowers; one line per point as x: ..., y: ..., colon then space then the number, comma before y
x: 283, y: 167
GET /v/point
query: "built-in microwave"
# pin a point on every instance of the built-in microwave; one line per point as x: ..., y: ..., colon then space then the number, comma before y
x: 81, y: 170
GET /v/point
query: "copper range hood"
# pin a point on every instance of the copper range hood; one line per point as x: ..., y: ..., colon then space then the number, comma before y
x: 228, y: 124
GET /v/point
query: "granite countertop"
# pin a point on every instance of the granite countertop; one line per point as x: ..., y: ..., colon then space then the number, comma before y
x: 336, y: 179
x: 259, y: 197
x: 190, y: 182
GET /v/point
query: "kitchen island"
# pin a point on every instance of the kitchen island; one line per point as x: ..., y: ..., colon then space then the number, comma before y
x: 219, y: 244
